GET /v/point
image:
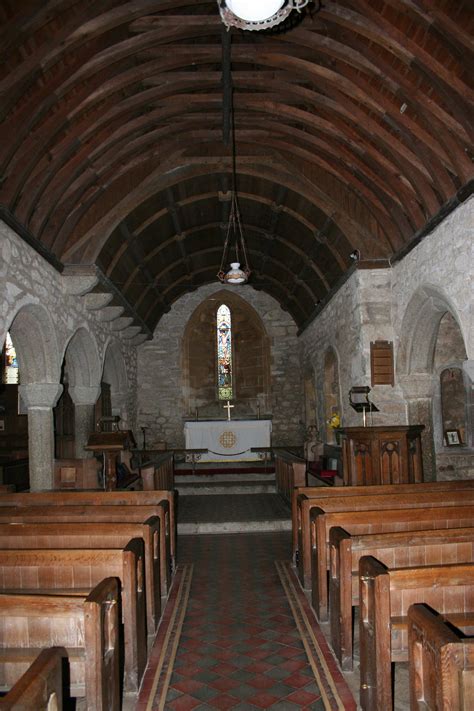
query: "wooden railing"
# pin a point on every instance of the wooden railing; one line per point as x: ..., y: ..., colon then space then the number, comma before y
x: 156, y: 469
x: 290, y: 471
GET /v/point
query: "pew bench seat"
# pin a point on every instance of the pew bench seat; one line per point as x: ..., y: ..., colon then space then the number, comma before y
x: 385, y: 598
x: 441, y: 660
x: 70, y: 572
x: 397, y: 549
x: 86, y: 629
x: 40, y: 688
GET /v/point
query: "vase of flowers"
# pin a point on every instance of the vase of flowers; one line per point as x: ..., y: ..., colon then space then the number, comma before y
x: 334, y: 423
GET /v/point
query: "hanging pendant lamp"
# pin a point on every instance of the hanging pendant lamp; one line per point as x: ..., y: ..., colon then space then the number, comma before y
x: 257, y: 14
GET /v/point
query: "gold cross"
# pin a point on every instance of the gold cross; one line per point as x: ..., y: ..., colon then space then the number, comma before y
x: 228, y: 408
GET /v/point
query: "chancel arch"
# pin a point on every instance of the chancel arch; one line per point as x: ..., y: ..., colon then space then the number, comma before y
x: 250, y: 359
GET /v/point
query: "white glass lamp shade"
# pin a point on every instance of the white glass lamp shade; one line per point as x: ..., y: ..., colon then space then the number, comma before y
x: 254, y: 10
x: 235, y: 275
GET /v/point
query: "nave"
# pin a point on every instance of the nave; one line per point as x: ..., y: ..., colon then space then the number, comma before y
x: 238, y: 631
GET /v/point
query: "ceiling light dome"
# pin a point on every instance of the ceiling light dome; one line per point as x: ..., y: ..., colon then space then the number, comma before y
x: 252, y: 11
x: 257, y: 14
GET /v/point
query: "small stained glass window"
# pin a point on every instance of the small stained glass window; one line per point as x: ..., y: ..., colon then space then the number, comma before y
x: 11, y: 371
x: 224, y: 353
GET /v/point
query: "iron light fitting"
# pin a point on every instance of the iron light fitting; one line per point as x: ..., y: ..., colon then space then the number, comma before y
x: 257, y: 14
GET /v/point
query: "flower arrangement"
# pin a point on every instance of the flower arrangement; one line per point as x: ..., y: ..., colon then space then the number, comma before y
x: 334, y: 421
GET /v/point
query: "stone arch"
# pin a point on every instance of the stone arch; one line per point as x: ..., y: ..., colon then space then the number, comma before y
x: 420, y: 327
x: 74, y: 414
x: 114, y: 373
x: 252, y: 373
x: 332, y: 391
x: 81, y: 360
x: 419, y: 365
x: 35, y: 341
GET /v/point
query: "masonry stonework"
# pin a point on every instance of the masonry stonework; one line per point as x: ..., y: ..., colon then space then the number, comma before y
x: 161, y: 398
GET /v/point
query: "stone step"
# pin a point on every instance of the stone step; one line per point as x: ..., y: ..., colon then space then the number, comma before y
x: 213, y: 478
x: 227, y: 487
x: 222, y: 527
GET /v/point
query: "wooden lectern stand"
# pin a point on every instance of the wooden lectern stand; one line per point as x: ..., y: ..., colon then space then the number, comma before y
x: 109, y: 444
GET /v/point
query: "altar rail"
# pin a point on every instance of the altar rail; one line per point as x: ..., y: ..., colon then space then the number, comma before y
x: 156, y: 469
x: 290, y: 471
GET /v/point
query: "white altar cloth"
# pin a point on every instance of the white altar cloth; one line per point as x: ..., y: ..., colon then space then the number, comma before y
x: 228, y: 441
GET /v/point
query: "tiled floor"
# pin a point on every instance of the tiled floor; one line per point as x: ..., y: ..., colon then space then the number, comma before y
x: 239, y: 643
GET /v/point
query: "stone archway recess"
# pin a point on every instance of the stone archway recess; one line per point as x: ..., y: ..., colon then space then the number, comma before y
x: 251, y: 356
x: 115, y: 374
x: 36, y: 345
x: 415, y: 362
x: 83, y: 367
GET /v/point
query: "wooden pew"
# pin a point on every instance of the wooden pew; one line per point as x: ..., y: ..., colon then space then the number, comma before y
x: 441, y: 663
x: 96, y: 535
x: 63, y: 571
x: 86, y: 626
x: 388, y: 501
x: 76, y: 473
x: 318, y: 492
x: 7, y: 488
x: 371, y: 522
x: 396, y: 550
x: 103, y: 498
x: 40, y: 688
x: 68, y: 512
x: 385, y: 596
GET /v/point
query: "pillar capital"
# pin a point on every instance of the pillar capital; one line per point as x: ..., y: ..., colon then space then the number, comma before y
x: 84, y: 395
x: 40, y: 396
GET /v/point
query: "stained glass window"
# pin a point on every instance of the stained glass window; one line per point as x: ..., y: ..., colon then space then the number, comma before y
x: 224, y: 353
x: 11, y: 371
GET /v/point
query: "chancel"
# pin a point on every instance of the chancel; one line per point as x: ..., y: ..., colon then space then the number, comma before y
x: 218, y: 220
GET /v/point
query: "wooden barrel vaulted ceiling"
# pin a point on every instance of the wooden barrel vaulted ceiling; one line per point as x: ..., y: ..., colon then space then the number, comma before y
x: 353, y: 131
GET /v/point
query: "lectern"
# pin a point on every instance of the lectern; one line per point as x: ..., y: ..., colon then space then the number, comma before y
x: 110, y: 444
x: 382, y: 455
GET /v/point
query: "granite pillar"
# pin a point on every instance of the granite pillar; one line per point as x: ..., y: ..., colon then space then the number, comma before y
x: 40, y: 398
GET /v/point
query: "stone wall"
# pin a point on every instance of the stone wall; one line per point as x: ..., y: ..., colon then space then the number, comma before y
x: 27, y: 280
x: 161, y: 401
x: 404, y: 305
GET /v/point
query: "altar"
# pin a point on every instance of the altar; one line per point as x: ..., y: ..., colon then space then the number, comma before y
x: 228, y: 440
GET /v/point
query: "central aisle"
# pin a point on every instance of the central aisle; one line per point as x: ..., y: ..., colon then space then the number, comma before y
x: 239, y: 634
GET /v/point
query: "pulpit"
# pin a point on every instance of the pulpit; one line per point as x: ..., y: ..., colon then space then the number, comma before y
x: 382, y: 455
x: 112, y: 445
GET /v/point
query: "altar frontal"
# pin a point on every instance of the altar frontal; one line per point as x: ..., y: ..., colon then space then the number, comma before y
x: 228, y: 441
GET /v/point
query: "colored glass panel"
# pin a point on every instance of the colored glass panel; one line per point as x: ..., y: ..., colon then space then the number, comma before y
x: 224, y: 353
x: 10, y: 374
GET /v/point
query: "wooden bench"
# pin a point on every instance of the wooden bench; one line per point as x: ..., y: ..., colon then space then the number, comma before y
x: 377, y: 502
x: 40, y: 688
x: 104, y: 498
x: 96, y: 535
x: 441, y: 663
x: 76, y: 473
x: 385, y: 596
x: 49, y: 513
x: 60, y: 571
x: 86, y: 626
x: 371, y: 522
x: 318, y: 492
x: 396, y: 550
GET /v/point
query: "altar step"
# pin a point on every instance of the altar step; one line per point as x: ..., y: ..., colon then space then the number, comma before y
x: 211, y: 485
x: 237, y: 513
